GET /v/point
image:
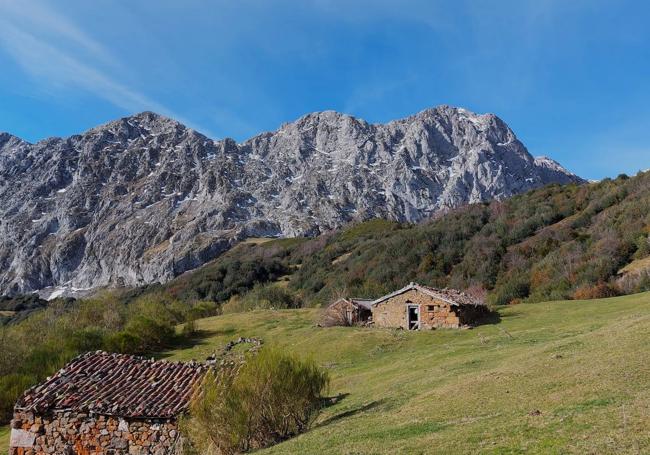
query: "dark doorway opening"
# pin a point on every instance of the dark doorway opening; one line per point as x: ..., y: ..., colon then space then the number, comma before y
x: 413, y: 317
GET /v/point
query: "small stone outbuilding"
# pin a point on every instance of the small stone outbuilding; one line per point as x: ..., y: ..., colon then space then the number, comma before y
x: 417, y: 307
x: 102, y: 403
x: 346, y: 311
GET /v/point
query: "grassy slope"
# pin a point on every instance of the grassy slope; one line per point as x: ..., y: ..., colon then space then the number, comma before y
x: 582, y: 364
x: 4, y: 437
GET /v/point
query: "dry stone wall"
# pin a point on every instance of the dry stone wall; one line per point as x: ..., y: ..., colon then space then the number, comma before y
x: 65, y: 433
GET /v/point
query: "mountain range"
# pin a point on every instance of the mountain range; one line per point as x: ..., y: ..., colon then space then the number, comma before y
x: 143, y: 198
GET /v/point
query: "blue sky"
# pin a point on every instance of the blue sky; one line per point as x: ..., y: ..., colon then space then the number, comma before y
x: 571, y: 78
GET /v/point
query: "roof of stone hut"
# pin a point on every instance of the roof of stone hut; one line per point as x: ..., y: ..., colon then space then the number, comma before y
x: 451, y: 296
x: 117, y: 384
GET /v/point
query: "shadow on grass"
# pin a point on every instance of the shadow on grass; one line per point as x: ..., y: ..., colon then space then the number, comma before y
x: 349, y: 413
x: 198, y: 338
x: 492, y: 318
x: 512, y: 314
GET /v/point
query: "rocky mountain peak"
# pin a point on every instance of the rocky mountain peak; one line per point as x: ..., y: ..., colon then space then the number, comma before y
x: 9, y: 140
x: 144, y: 198
x: 144, y: 124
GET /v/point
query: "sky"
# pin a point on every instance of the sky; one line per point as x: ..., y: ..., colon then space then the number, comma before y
x: 571, y: 78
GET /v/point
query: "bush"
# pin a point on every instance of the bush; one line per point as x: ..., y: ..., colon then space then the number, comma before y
x: 122, y: 342
x: 517, y: 287
x: 270, y: 296
x: 203, y: 310
x: 151, y: 334
x: 189, y: 328
x: 87, y: 339
x: 272, y: 397
x: 631, y: 283
x: 599, y: 291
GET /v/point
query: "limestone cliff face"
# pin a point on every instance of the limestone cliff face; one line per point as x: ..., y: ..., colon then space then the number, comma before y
x: 144, y: 198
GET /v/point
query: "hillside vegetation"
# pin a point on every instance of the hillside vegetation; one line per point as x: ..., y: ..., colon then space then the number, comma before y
x: 43, y: 341
x: 559, y: 377
x: 558, y: 242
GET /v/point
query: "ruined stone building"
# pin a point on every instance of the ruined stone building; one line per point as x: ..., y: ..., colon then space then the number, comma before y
x: 345, y: 311
x: 417, y: 307
x: 103, y: 403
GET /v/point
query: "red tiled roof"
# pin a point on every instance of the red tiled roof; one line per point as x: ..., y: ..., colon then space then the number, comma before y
x: 117, y: 384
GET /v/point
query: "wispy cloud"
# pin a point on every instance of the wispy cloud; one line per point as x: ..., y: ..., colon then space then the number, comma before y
x: 59, y: 55
x: 38, y: 16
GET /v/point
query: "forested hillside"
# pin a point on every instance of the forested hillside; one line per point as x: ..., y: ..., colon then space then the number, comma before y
x: 558, y: 242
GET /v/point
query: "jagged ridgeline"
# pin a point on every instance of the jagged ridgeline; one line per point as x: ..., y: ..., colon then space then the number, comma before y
x: 558, y: 242
x: 143, y: 199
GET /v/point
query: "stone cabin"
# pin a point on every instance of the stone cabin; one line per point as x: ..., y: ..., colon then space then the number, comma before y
x: 103, y: 403
x: 413, y: 307
x: 417, y: 307
x: 346, y: 311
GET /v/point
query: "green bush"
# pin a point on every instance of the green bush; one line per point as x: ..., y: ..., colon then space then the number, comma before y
x: 86, y: 339
x: 189, y: 328
x: 272, y: 397
x: 122, y: 342
x: 514, y: 288
x: 151, y: 334
x: 270, y: 296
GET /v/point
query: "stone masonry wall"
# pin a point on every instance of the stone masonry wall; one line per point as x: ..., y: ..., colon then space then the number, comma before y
x: 393, y: 312
x: 76, y: 433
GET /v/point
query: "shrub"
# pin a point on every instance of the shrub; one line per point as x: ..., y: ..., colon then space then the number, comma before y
x: 189, y: 328
x: 204, y: 309
x: 517, y: 287
x: 631, y: 283
x: 270, y: 296
x: 87, y: 339
x: 122, y: 342
x: 151, y: 334
x: 599, y: 291
x: 272, y: 397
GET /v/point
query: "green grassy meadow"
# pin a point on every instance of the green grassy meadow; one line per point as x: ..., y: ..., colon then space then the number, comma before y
x: 4, y: 437
x: 557, y: 377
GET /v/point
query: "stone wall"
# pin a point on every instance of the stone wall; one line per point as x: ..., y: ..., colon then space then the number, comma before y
x: 65, y: 433
x: 434, y: 313
x: 344, y: 312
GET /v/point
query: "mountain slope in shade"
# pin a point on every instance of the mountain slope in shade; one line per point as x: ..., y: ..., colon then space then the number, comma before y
x: 144, y: 198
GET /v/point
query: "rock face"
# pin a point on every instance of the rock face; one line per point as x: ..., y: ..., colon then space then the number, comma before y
x: 144, y: 198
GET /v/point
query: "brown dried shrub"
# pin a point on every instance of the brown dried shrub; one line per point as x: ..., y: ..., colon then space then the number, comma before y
x: 599, y: 291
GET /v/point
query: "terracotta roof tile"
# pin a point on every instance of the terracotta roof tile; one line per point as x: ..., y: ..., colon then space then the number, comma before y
x: 117, y: 384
